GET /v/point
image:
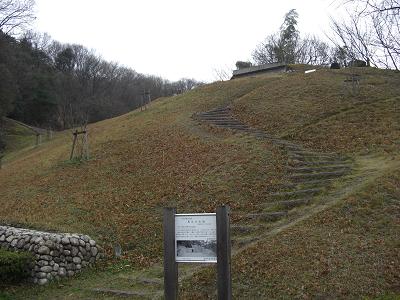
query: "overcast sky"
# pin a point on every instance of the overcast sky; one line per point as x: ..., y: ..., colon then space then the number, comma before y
x: 175, y: 38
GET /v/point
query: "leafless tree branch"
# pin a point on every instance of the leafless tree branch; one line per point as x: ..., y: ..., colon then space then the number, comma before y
x: 15, y: 14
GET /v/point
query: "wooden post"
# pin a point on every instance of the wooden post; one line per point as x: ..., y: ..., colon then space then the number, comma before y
x: 223, y: 254
x: 141, y: 100
x: 73, y: 144
x: 147, y: 98
x: 49, y: 134
x: 170, y: 265
x: 37, y: 139
x: 86, y: 145
x: 1, y: 160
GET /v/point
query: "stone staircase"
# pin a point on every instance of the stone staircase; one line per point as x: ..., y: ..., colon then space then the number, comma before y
x: 310, y: 175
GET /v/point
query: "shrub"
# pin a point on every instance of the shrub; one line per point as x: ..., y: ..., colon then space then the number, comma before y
x: 14, y: 266
x: 335, y: 65
x: 243, y: 64
x: 357, y: 63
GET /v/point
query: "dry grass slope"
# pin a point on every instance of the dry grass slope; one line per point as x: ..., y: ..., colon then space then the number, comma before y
x: 316, y: 110
x: 143, y: 161
x: 140, y: 162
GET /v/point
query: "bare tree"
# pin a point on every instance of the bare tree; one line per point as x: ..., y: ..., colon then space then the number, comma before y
x: 222, y: 73
x: 313, y: 51
x: 186, y: 84
x: 268, y: 52
x: 376, y: 6
x: 356, y: 37
x: 15, y: 15
x: 371, y: 32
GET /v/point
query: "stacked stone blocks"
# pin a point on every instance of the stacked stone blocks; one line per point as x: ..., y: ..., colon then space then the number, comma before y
x: 57, y: 255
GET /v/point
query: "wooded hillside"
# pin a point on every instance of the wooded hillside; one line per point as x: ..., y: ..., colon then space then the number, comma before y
x: 53, y: 85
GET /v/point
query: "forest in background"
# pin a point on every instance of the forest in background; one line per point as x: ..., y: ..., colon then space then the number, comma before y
x: 53, y: 85
x: 57, y: 86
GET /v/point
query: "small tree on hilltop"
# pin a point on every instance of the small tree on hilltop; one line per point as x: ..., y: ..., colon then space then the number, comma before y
x: 243, y: 64
x: 286, y: 46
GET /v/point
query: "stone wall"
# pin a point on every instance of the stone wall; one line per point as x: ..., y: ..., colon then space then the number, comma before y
x: 56, y: 255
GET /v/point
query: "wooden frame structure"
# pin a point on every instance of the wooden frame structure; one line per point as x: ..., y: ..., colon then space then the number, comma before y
x: 224, y: 281
x: 84, y: 153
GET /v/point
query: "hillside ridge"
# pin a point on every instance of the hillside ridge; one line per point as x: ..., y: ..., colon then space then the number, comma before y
x: 218, y: 144
x: 321, y: 196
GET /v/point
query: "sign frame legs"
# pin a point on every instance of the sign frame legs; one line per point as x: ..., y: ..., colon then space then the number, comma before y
x: 170, y: 265
x: 224, y: 280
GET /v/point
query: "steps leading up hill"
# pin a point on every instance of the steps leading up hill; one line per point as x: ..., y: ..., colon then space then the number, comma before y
x: 310, y: 174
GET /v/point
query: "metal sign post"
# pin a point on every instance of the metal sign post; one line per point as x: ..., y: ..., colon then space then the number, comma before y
x: 197, y: 238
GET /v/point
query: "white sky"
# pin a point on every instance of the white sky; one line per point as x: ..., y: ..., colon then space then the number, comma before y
x: 175, y: 38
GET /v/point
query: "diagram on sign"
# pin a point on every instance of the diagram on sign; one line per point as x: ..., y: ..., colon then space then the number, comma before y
x: 196, y: 238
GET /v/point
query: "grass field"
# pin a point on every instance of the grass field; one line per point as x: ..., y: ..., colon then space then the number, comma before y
x: 146, y: 160
x: 318, y: 110
x: 140, y: 162
x: 350, y: 251
x: 17, y: 137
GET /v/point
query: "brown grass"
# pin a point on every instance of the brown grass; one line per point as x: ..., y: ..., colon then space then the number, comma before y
x: 316, y: 109
x: 348, y: 252
x: 143, y: 161
x: 140, y: 162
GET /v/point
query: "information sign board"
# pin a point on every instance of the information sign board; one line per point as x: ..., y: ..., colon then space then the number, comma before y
x: 196, y: 238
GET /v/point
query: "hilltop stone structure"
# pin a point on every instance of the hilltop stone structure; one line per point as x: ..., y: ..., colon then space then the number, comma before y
x: 261, y: 69
x: 57, y: 255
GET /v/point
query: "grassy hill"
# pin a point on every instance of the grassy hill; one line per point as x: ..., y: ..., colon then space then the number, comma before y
x: 17, y: 137
x: 318, y: 110
x: 344, y: 245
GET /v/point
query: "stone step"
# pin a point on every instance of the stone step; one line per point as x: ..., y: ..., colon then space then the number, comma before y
x: 314, y: 157
x: 124, y: 293
x: 240, y: 242
x: 216, y: 113
x: 212, y: 117
x: 320, y: 168
x: 216, y: 118
x: 282, y: 142
x: 289, y: 204
x: 263, y: 135
x: 296, y: 193
x: 313, y: 176
x: 260, y: 136
x: 322, y: 181
x: 221, y: 109
x: 222, y: 122
x: 268, y: 216
x: 237, y: 127
x: 308, y: 184
x: 150, y: 281
x: 319, y: 163
x: 257, y: 132
x: 312, y: 153
x: 145, y: 282
x: 292, y: 148
x: 244, y: 229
